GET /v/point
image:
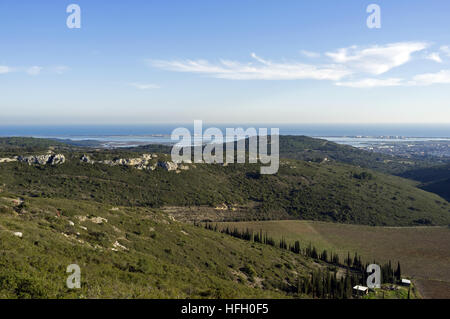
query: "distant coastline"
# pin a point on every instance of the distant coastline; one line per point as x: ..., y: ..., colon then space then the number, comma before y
x: 358, y: 135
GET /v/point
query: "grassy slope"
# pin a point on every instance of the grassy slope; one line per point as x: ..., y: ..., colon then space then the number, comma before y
x: 433, y: 179
x: 328, y: 191
x: 422, y: 251
x: 164, y: 258
x: 433, y: 176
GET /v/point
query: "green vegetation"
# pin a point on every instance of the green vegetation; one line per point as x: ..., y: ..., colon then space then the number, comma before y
x: 117, y: 223
x: 11, y: 146
x: 328, y: 191
x: 421, y: 251
x: 27, y: 142
x: 316, y: 150
x: 434, y: 179
x: 128, y: 252
x: 394, y: 292
x: 331, y: 288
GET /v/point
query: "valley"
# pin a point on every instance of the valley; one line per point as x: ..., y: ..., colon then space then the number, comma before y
x: 130, y: 218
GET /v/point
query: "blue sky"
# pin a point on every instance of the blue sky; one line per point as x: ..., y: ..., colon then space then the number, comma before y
x: 224, y: 62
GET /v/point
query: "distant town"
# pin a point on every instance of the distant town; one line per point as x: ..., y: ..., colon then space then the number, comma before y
x: 400, y: 145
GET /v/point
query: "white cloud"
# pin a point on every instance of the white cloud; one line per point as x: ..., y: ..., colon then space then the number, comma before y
x: 310, y: 54
x: 441, y: 77
x: 144, y: 86
x: 445, y: 49
x: 434, y: 57
x: 426, y: 79
x: 348, y: 68
x: 263, y: 70
x: 34, y: 70
x: 60, y: 69
x: 372, y: 83
x: 376, y: 59
x: 4, y: 69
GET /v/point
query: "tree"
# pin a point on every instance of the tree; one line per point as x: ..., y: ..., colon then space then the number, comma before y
x: 314, y: 254
x: 296, y: 247
x: 398, y: 272
x: 324, y: 256
x: 348, y: 260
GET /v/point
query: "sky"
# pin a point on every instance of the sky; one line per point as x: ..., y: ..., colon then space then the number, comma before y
x: 233, y: 61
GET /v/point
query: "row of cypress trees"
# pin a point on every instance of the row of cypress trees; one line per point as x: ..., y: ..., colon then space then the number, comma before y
x: 356, y: 269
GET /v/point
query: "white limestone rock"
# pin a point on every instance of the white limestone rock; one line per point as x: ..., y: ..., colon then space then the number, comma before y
x: 168, y: 166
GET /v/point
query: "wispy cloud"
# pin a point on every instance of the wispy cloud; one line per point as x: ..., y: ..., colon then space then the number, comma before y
x: 346, y: 67
x: 261, y: 70
x: 34, y: 70
x: 441, y: 77
x: 445, y: 49
x: 425, y: 79
x: 377, y: 59
x: 434, y: 57
x: 310, y: 54
x: 144, y: 86
x: 372, y: 83
x: 60, y: 69
x: 4, y: 69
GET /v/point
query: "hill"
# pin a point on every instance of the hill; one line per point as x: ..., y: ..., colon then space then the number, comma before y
x: 27, y: 144
x: 316, y: 150
x: 113, y: 221
x: 328, y: 191
x: 126, y: 252
x: 433, y: 179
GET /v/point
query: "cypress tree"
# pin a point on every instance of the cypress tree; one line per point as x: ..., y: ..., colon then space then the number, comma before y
x: 324, y: 256
x: 348, y: 261
x: 398, y: 272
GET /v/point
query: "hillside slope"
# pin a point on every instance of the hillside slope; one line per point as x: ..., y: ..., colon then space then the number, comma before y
x: 314, y: 149
x: 128, y: 252
x: 433, y: 179
x: 319, y: 191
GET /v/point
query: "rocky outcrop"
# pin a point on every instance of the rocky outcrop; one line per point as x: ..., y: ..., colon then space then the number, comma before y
x: 95, y: 220
x: 117, y: 246
x: 8, y: 160
x: 49, y: 159
x: 168, y: 166
x: 145, y: 162
x: 141, y: 163
x: 18, y: 234
x: 86, y: 159
x: 57, y: 159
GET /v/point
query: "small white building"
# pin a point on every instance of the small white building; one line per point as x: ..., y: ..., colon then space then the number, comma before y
x: 360, y: 290
x: 406, y: 282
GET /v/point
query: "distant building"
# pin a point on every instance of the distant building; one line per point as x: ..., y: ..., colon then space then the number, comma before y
x: 406, y: 282
x: 360, y: 290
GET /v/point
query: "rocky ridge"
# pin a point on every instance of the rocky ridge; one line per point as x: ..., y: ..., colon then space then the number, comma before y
x: 48, y: 159
x: 145, y: 162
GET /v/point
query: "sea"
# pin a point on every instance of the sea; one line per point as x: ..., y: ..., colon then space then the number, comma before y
x: 358, y: 135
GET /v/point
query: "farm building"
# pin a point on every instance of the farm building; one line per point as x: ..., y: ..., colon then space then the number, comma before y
x: 406, y: 282
x: 360, y: 290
